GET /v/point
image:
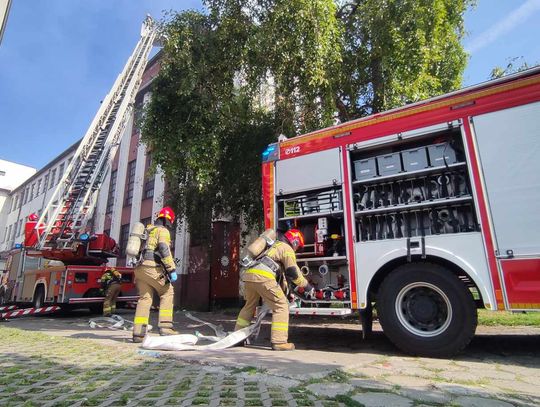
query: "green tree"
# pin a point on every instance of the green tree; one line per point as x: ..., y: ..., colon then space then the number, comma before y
x: 399, y: 51
x: 239, y: 74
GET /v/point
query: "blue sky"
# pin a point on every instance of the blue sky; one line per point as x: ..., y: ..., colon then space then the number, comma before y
x: 59, y: 58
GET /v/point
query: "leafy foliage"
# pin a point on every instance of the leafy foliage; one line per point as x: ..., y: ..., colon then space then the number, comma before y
x: 236, y: 76
x: 511, y: 67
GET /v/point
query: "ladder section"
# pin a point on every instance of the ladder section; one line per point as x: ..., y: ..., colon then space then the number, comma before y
x: 72, y: 204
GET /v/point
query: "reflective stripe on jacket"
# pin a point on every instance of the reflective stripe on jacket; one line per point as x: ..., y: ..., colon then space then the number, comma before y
x: 157, y: 251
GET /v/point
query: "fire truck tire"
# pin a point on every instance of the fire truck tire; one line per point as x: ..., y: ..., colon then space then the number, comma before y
x: 39, y: 297
x: 425, y: 310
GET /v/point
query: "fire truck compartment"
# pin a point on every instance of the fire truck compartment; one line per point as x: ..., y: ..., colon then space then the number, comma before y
x: 310, y: 171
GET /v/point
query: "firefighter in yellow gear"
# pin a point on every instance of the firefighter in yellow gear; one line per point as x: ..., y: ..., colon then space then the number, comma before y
x: 111, y: 284
x: 155, y: 274
x: 260, y: 281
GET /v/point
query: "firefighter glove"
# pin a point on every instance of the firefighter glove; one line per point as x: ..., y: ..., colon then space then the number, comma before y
x: 308, y: 292
x: 173, y: 276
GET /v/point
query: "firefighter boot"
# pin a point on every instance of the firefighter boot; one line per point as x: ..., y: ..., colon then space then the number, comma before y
x: 138, y: 338
x: 283, y: 346
x: 167, y: 332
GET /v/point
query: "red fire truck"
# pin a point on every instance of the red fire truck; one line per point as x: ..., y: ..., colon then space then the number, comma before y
x: 427, y: 212
x: 62, y: 259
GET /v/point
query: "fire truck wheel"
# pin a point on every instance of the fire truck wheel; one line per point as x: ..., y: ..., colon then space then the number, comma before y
x: 39, y: 297
x: 425, y: 310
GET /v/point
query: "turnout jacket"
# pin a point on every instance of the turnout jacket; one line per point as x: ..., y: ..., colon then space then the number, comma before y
x: 157, y: 251
x: 284, y: 259
x: 110, y: 276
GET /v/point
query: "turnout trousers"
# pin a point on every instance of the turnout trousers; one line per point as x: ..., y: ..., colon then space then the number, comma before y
x: 111, y: 294
x: 257, y: 287
x: 150, y: 280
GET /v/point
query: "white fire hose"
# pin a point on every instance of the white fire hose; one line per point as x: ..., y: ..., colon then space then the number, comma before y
x: 189, y: 342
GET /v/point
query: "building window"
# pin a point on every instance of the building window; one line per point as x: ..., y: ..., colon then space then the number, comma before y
x: 45, y: 183
x: 9, y: 232
x: 149, y: 188
x: 32, y: 192
x: 38, y: 189
x: 15, y: 202
x: 112, y: 191
x: 148, y: 191
x: 26, y: 190
x: 53, y: 176
x: 146, y: 221
x: 60, y: 172
x: 20, y: 227
x: 130, y: 183
x: 124, y: 236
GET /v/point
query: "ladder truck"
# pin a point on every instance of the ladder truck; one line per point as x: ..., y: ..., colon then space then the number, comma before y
x: 62, y: 234
x: 426, y: 212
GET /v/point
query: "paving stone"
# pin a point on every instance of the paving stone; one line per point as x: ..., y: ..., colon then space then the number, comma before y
x: 497, y: 374
x: 408, y: 381
x: 460, y: 377
x: 418, y: 371
x: 329, y: 389
x: 426, y: 395
x: 371, y: 384
x: 371, y: 399
x: 470, y: 401
x: 457, y: 389
x: 372, y: 372
x: 516, y: 386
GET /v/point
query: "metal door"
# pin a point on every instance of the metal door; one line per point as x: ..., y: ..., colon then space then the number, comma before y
x: 509, y: 150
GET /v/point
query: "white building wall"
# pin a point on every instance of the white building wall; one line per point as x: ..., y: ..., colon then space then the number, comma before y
x: 101, y: 204
x: 12, y: 174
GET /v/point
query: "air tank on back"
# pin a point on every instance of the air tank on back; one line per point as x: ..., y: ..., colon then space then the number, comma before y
x: 257, y: 247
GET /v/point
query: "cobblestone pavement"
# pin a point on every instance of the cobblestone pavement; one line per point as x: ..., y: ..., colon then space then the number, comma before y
x: 69, y: 364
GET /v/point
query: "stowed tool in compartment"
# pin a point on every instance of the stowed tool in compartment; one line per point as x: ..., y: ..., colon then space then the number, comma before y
x: 417, y: 222
x: 422, y: 200
x: 313, y: 203
x: 440, y: 185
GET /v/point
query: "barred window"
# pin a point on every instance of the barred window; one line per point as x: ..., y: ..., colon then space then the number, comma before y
x: 15, y: 202
x: 112, y: 191
x: 146, y: 221
x: 53, y: 176
x: 124, y: 236
x: 130, y: 183
x: 60, y: 172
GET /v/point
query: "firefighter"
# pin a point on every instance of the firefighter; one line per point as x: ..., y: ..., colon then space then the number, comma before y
x: 155, y: 274
x: 111, y: 284
x: 260, y: 281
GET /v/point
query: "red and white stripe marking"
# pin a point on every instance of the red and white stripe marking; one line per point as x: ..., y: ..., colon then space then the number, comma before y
x: 28, y: 311
x: 8, y: 307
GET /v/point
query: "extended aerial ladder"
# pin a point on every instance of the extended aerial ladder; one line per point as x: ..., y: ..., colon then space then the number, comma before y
x: 62, y: 227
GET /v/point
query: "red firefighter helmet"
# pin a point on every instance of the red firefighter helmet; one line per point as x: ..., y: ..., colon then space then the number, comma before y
x: 167, y: 213
x: 295, y: 238
x: 32, y: 217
